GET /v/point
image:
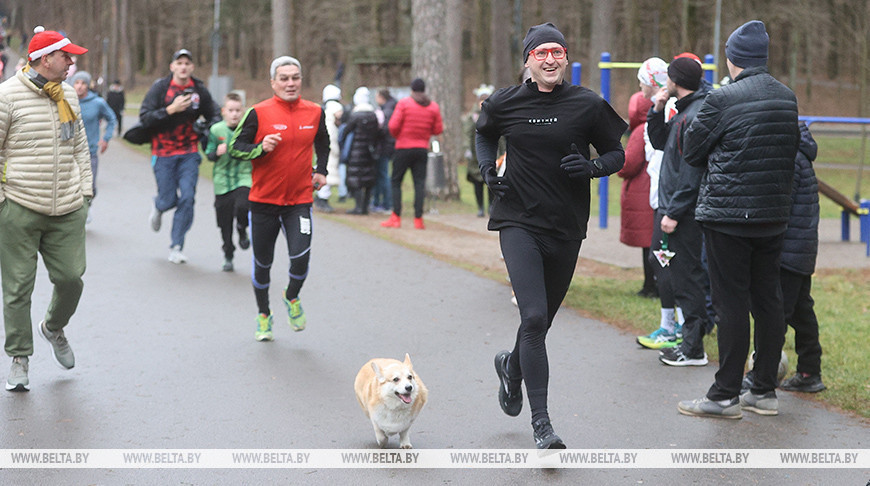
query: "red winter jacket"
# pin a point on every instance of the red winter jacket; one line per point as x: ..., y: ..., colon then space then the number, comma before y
x: 414, y: 121
x: 637, y: 216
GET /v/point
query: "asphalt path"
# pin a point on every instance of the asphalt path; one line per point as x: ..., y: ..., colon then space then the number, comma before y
x: 166, y: 358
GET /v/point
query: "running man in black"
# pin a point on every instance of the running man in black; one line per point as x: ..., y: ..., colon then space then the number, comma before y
x: 542, y: 203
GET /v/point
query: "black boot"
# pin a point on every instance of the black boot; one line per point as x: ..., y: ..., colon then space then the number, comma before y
x: 359, y: 208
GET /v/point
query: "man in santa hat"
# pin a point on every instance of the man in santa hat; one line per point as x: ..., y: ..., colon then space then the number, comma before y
x: 44, y: 198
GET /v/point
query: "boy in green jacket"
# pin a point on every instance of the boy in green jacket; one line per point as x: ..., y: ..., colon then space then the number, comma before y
x: 232, y: 180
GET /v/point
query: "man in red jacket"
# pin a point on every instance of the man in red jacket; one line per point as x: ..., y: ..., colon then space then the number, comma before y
x: 416, y: 119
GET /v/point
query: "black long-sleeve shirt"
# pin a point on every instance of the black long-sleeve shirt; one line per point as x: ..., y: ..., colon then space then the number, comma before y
x: 540, y: 129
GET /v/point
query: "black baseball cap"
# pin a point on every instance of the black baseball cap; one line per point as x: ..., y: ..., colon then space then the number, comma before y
x: 182, y: 52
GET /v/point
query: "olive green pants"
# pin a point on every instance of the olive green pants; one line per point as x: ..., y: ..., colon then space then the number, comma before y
x: 61, y: 242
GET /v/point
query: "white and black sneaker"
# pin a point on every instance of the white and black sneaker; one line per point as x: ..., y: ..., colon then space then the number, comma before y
x: 676, y: 357
x: 545, y: 437
x: 510, y: 395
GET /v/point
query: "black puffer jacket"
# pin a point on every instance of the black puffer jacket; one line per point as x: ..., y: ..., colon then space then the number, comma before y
x: 801, y: 243
x: 361, y: 167
x: 746, y: 135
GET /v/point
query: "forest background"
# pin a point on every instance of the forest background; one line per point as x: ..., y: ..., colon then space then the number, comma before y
x: 819, y: 48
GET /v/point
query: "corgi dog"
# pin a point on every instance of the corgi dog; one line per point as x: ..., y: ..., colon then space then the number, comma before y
x: 391, y: 395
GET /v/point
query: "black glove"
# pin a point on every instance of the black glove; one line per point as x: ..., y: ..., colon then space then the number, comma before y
x: 498, y: 185
x: 577, y: 166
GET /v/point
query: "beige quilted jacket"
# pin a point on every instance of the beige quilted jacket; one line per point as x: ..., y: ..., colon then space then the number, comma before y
x: 39, y: 170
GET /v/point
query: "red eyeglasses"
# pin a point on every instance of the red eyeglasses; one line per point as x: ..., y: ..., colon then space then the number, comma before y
x: 557, y: 52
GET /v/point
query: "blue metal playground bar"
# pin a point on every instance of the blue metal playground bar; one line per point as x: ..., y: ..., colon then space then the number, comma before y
x: 864, y: 204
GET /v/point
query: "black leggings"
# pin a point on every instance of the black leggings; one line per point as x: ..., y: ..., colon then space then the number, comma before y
x: 540, y: 268
x: 414, y: 159
x: 295, y: 222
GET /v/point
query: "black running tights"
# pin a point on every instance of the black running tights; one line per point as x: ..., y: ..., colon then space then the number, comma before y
x: 540, y: 268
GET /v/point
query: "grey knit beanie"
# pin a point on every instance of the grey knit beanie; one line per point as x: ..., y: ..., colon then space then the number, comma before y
x: 747, y: 46
x: 81, y: 75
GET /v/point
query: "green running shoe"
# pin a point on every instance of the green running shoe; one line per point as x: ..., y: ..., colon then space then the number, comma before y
x: 264, y: 327
x: 295, y: 313
x: 660, y: 339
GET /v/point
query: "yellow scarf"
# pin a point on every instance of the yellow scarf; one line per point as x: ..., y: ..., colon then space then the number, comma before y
x: 54, y: 91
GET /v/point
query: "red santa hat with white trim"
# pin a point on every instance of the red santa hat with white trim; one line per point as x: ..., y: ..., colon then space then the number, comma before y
x: 47, y: 41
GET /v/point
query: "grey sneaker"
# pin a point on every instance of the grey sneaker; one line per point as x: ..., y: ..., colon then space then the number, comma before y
x: 765, y: 404
x: 59, y: 346
x: 228, y: 265
x: 155, y: 218
x: 704, y: 407
x: 17, y: 380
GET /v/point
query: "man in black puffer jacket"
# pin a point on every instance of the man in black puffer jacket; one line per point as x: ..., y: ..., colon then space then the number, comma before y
x: 746, y: 137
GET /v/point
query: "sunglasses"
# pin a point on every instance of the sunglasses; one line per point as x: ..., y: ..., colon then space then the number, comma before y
x: 541, y: 54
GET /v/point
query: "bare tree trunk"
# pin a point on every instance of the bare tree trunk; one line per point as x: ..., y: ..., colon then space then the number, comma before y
x: 601, y: 41
x: 501, y: 66
x: 451, y: 106
x: 128, y: 73
x: 280, y: 28
x: 435, y: 58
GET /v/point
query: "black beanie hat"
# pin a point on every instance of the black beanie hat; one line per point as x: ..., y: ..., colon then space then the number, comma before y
x: 685, y: 72
x: 418, y: 85
x: 541, y: 34
x: 747, y: 45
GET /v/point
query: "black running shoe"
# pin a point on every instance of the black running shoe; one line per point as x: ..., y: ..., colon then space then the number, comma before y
x: 805, y: 384
x: 510, y: 397
x: 748, y: 381
x: 545, y: 438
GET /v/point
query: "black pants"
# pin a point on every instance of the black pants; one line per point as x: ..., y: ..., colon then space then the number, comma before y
x: 663, y: 274
x: 414, y: 159
x: 230, y: 207
x: 744, y: 275
x: 799, y: 314
x: 689, y: 282
x: 540, y: 268
x: 295, y: 222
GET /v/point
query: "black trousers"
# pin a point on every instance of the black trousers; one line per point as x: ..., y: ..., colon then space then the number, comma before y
x: 414, y: 159
x: 231, y: 210
x: 540, y: 268
x: 799, y: 314
x: 663, y: 274
x: 295, y: 223
x: 744, y: 275
x: 689, y: 282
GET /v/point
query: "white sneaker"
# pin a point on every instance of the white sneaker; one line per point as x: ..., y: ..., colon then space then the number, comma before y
x: 176, y: 257
x: 155, y: 218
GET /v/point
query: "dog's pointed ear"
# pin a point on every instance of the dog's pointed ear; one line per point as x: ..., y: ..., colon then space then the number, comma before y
x: 408, y: 360
x: 378, y: 373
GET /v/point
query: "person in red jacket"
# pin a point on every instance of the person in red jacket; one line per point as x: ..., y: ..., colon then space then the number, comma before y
x: 416, y: 119
x: 280, y: 136
x: 636, y: 223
